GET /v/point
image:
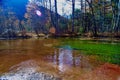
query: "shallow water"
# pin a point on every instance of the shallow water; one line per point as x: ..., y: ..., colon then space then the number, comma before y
x: 43, y: 56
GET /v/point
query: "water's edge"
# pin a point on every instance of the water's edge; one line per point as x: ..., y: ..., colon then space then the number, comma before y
x: 28, y: 74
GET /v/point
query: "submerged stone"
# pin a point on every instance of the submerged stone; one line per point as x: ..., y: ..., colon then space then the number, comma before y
x: 28, y: 74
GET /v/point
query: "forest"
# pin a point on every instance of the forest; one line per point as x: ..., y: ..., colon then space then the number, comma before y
x: 59, y: 39
x: 94, y: 18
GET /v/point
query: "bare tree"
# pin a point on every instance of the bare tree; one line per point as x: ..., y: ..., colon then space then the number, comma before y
x: 56, y: 18
x: 73, y: 10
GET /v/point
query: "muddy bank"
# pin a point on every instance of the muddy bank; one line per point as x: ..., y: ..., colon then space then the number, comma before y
x: 103, y: 72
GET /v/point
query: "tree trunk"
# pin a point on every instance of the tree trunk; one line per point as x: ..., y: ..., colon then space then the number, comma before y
x: 51, y: 20
x: 56, y: 18
x: 94, y: 20
x: 73, y: 10
x: 103, y: 23
x: 118, y: 17
x: 81, y: 13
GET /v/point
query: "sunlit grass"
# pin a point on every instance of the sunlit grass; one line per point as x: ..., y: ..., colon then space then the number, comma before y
x: 107, y: 51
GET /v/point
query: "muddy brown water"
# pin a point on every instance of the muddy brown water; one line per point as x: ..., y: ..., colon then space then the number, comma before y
x: 45, y: 57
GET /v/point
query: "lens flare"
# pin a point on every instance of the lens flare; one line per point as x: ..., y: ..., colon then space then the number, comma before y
x: 38, y: 13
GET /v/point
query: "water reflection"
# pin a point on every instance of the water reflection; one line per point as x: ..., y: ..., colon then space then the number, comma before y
x: 40, y: 54
x: 65, y: 59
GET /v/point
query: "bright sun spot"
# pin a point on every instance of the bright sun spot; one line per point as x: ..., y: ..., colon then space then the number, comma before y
x: 30, y: 0
x: 38, y: 13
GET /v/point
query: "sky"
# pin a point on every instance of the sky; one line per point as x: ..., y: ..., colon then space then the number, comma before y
x: 62, y: 5
x: 67, y: 7
x: 17, y: 6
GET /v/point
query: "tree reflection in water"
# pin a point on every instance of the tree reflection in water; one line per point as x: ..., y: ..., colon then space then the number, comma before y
x: 65, y: 59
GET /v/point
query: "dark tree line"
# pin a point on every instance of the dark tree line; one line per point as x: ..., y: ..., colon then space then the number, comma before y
x: 97, y: 17
x: 93, y: 18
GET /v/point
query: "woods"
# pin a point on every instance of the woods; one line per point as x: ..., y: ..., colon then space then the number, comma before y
x: 59, y: 39
x: 93, y: 18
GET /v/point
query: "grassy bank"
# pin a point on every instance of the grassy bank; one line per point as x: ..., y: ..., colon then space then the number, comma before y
x: 107, y: 51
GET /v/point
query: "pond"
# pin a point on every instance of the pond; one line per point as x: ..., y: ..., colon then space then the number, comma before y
x: 68, y: 59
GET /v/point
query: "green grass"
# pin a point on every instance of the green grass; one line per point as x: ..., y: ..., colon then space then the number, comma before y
x: 107, y: 51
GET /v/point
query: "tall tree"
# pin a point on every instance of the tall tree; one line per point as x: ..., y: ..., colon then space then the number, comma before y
x: 118, y: 17
x: 90, y: 3
x: 73, y: 10
x: 56, y: 18
x: 116, y: 14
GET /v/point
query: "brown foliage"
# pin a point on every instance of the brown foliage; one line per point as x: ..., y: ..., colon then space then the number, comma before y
x: 52, y: 30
